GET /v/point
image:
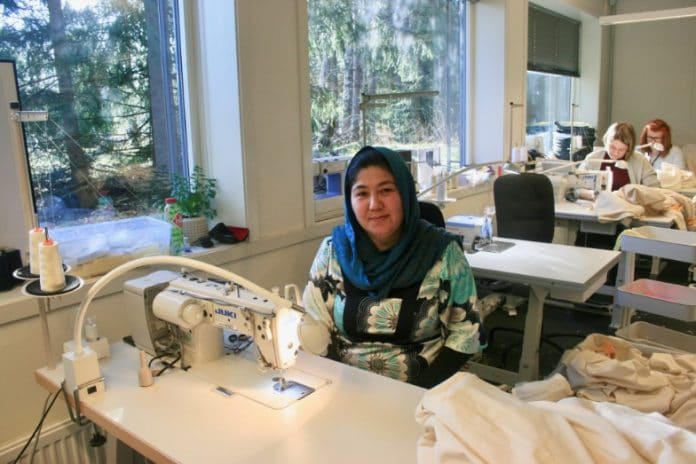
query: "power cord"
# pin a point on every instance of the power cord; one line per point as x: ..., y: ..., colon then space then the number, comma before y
x: 37, y: 430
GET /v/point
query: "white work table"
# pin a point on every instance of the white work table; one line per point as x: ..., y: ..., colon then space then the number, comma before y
x: 560, y: 271
x: 589, y: 221
x: 358, y: 417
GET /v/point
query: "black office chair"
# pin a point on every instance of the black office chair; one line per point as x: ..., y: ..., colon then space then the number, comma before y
x: 524, y: 207
x: 431, y: 213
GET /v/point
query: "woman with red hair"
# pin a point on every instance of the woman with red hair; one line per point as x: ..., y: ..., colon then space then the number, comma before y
x: 657, y: 136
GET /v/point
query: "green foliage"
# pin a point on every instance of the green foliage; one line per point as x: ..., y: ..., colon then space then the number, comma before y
x: 384, y: 46
x: 195, y: 194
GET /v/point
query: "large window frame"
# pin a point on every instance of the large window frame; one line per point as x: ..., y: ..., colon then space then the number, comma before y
x: 365, y: 101
x: 89, y: 124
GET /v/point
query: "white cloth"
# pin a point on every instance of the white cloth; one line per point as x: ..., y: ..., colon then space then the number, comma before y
x: 554, y: 388
x: 466, y: 420
x: 605, y: 368
x: 675, y: 157
x: 610, y: 207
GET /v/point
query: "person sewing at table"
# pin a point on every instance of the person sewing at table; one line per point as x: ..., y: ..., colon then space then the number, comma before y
x: 656, y: 142
x: 395, y: 292
x: 619, y: 155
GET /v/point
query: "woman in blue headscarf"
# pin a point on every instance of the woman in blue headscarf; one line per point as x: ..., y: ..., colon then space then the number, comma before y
x: 395, y: 292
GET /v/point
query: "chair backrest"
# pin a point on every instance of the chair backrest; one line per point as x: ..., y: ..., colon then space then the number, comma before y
x: 431, y: 213
x: 524, y: 207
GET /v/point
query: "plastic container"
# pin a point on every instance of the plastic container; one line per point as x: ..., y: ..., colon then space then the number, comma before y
x: 172, y: 214
x: 95, y: 249
x: 651, y: 338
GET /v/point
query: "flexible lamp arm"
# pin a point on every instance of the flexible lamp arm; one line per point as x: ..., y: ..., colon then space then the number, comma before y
x: 276, y: 299
x: 621, y: 164
x: 459, y: 171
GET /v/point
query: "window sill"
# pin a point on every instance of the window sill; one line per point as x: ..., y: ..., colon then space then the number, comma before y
x: 15, y: 306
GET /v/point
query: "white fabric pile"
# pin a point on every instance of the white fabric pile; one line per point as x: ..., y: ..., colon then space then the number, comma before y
x: 671, y: 177
x: 634, y: 201
x: 466, y: 420
x: 604, y: 368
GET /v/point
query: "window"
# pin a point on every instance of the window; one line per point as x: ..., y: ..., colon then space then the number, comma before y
x: 553, y: 43
x: 108, y: 74
x: 385, y: 73
x: 548, y: 101
x: 552, y: 62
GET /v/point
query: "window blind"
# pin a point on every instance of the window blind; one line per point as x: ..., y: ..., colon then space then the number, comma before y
x: 553, y: 44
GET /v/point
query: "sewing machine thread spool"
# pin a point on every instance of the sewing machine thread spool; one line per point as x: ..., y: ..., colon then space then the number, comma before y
x: 51, y: 275
x: 36, y: 236
x: 441, y: 191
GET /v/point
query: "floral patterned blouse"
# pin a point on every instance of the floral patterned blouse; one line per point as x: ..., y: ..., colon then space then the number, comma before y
x: 398, y: 336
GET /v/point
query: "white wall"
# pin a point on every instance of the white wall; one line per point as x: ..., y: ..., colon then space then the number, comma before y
x: 654, y: 72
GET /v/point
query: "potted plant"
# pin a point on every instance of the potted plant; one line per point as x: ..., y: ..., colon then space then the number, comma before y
x: 194, y: 196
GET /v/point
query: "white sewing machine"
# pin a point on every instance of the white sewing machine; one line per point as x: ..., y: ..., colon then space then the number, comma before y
x: 189, y: 312
x: 199, y: 309
x: 594, y: 180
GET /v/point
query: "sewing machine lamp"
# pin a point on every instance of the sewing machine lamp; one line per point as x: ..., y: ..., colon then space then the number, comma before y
x: 277, y: 336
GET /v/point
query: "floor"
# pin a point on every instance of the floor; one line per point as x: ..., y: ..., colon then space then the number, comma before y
x: 566, y: 324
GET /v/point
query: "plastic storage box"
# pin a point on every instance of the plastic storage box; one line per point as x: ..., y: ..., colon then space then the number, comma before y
x: 95, y: 249
x: 651, y: 338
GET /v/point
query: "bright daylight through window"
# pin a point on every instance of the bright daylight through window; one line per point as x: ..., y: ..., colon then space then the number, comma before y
x: 107, y: 73
x: 385, y: 73
x: 548, y: 100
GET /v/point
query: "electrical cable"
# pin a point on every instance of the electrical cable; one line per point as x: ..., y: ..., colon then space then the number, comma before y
x: 38, y: 434
x: 168, y: 365
x: 37, y: 429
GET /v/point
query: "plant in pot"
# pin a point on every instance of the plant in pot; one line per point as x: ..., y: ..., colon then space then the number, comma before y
x: 194, y: 196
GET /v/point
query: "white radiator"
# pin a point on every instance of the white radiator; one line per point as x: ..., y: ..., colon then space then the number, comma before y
x: 64, y: 443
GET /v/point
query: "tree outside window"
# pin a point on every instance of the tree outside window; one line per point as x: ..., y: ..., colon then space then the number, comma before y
x: 407, y: 49
x: 108, y: 74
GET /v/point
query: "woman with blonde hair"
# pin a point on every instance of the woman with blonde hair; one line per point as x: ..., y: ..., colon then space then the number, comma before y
x: 656, y: 142
x: 619, y: 155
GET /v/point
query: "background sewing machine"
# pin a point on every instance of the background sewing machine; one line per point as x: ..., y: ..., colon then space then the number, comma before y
x: 594, y: 180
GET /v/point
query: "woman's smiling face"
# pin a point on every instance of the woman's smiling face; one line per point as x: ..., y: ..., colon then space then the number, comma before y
x: 377, y: 206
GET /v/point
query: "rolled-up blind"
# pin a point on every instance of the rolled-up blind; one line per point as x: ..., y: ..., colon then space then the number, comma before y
x: 553, y: 44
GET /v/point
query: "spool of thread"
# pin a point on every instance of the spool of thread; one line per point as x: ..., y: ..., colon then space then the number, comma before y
x: 523, y: 156
x: 514, y: 154
x: 441, y: 189
x: 36, y: 236
x: 578, y: 142
x: 51, y: 275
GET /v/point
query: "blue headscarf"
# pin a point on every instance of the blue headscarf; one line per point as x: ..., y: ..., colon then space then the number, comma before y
x: 421, y: 244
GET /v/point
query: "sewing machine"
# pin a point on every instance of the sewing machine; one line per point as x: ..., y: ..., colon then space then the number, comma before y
x: 594, y: 180
x: 198, y: 309
x: 189, y: 313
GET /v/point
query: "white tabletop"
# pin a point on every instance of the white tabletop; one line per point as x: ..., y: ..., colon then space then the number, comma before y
x: 561, y: 271
x: 568, y: 272
x: 358, y: 417
x: 584, y: 211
